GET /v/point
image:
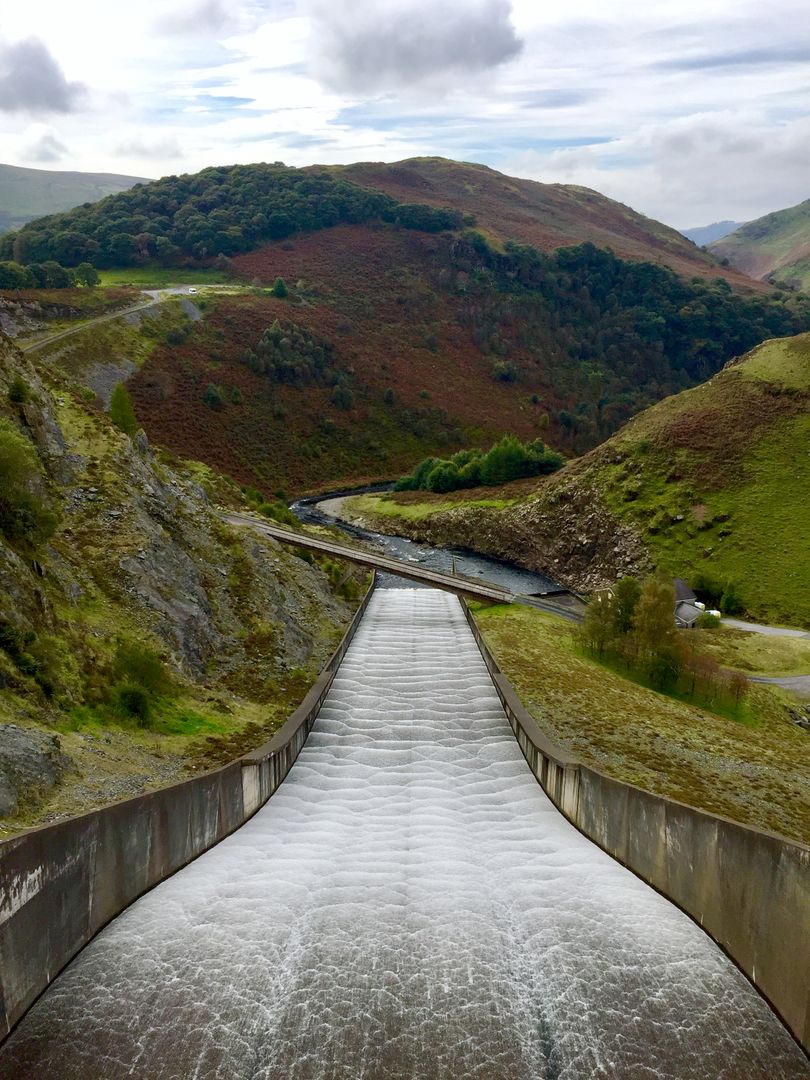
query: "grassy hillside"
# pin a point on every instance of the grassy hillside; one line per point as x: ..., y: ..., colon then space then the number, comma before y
x: 30, y: 193
x: 774, y: 247
x: 140, y: 638
x: 752, y: 767
x: 709, y: 484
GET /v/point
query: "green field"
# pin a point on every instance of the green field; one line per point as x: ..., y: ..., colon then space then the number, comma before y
x: 161, y: 277
x: 755, y: 769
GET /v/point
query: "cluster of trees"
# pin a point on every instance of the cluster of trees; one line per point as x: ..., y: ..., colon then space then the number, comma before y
x: 219, y: 211
x: 509, y: 459
x: 609, y: 336
x: 293, y: 354
x: 633, y: 625
x: 46, y: 275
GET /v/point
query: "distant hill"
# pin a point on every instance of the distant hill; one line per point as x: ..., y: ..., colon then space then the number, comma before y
x: 775, y: 247
x: 547, y: 216
x: 706, y: 234
x: 231, y: 210
x: 710, y: 484
x: 26, y: 194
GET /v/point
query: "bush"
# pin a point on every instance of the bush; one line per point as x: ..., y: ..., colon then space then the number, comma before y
x: 122, y: 413
x: 343, y: 398
x: 139, y: 665
x: 25, y: 520
x: 134, y: 702
x: 707, y: 621
x: 280, y: 288
x: 213, y: 396
x: 19, y: 392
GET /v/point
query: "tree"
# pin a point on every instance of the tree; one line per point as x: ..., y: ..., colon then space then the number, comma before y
x: 122, y: 413
x: 280, y: 288
x: 86, y: 274
x: 598, y: 624
x: 626, y: 594
x: 25, y: 520
x: 655, y: 632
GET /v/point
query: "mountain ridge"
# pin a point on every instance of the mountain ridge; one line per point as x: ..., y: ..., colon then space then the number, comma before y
x: 773, y: 248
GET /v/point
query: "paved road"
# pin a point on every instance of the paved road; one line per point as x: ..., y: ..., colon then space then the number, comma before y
x: 797, y: 684
x: 413, y: 571
x: 759, y: 628
x: 158, y: 296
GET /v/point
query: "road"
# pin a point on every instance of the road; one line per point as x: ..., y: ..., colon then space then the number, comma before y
x: 158, y: 296
x: 413, y: 571
x: 760, y: 628
x: 797, y: 684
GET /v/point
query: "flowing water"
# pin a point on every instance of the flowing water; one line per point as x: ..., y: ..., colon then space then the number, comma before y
x: 326, y: 511
x: 408, y: 906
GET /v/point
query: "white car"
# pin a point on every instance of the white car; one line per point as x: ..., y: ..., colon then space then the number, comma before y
x: 192, y: 290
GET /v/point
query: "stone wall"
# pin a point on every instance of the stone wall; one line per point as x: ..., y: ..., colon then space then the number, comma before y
x: 747, y: 888
x: 60, y: 884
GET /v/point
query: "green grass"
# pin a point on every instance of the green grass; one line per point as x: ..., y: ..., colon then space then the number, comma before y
x: 755, y: 771
x: 160, y: 277
x: 755, y: 654
x: 396, y: 507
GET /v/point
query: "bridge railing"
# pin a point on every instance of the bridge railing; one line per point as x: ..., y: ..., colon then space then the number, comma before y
x: 749, y: 889
x: 62, y: 883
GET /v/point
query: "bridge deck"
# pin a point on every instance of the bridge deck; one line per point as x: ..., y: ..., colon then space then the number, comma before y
x: 455, y: 583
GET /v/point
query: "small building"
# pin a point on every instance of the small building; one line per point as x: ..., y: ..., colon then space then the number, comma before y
x: 687, y: 614
x: 683, y: 591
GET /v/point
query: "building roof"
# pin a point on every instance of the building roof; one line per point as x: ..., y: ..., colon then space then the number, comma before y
x: 683, y: 590
x: 687, y: 614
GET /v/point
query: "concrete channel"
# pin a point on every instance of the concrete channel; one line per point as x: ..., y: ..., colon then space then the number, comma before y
x: 408, y: 903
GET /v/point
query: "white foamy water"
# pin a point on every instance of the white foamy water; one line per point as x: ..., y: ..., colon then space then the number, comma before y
x: 408, y: 905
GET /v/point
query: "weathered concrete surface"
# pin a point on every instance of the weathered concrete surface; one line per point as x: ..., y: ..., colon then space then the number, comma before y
x: 60, y: 884
x: 748, y: 889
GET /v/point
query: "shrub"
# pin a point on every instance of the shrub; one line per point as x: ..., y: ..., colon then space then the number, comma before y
x: 134, y: 702
x: 25, y: 520
x: 122, y: 413
x: 236, y: 395
x: 343, y: 398
x: 139, y: 665
x: 213, y: 396
x: 707, y: 621
x: 19, y: 392
x: 280, y: 288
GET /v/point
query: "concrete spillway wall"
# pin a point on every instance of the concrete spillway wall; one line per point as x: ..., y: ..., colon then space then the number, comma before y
x: 60, y: 884
x: 748, y: 889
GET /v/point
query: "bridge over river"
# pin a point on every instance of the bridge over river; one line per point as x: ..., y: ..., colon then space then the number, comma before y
x: 409, y: 904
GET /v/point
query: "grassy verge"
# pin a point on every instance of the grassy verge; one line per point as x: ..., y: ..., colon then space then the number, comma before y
x: 413, y: 506
x: 160, y: 277
x: 755, y: 769
x: 755, y: 654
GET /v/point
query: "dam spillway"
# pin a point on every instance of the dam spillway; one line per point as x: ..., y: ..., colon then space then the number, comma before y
x: 409, y: 904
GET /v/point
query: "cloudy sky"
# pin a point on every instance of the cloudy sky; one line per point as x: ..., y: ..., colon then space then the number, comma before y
x: 690, y: 112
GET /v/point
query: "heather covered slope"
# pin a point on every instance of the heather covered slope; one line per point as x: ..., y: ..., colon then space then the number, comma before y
x: 29, y: 193
x: 775, y: 247
x: 546, y: 216
x: 232, y: 209
x: 710, y: 484
x: 395, y: 343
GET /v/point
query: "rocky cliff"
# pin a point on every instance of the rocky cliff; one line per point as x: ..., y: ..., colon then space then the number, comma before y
x: 123, y: 554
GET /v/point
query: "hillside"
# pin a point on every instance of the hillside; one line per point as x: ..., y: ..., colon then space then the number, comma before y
x: 26, y: 194
x: 705, y: 234
x: 392, y: 344
x: 234, y: 209
x: 711, y: 485
x: 775, y: 247
x: 545, y: 216
x: 140, y: 638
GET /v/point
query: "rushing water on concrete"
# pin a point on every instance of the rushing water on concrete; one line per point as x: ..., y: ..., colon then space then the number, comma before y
x: 408, y: 905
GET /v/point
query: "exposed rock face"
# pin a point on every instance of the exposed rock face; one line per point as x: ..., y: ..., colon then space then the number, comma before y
x: 141, y: 555
x: 566, y: 532
x: 31, y: 763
